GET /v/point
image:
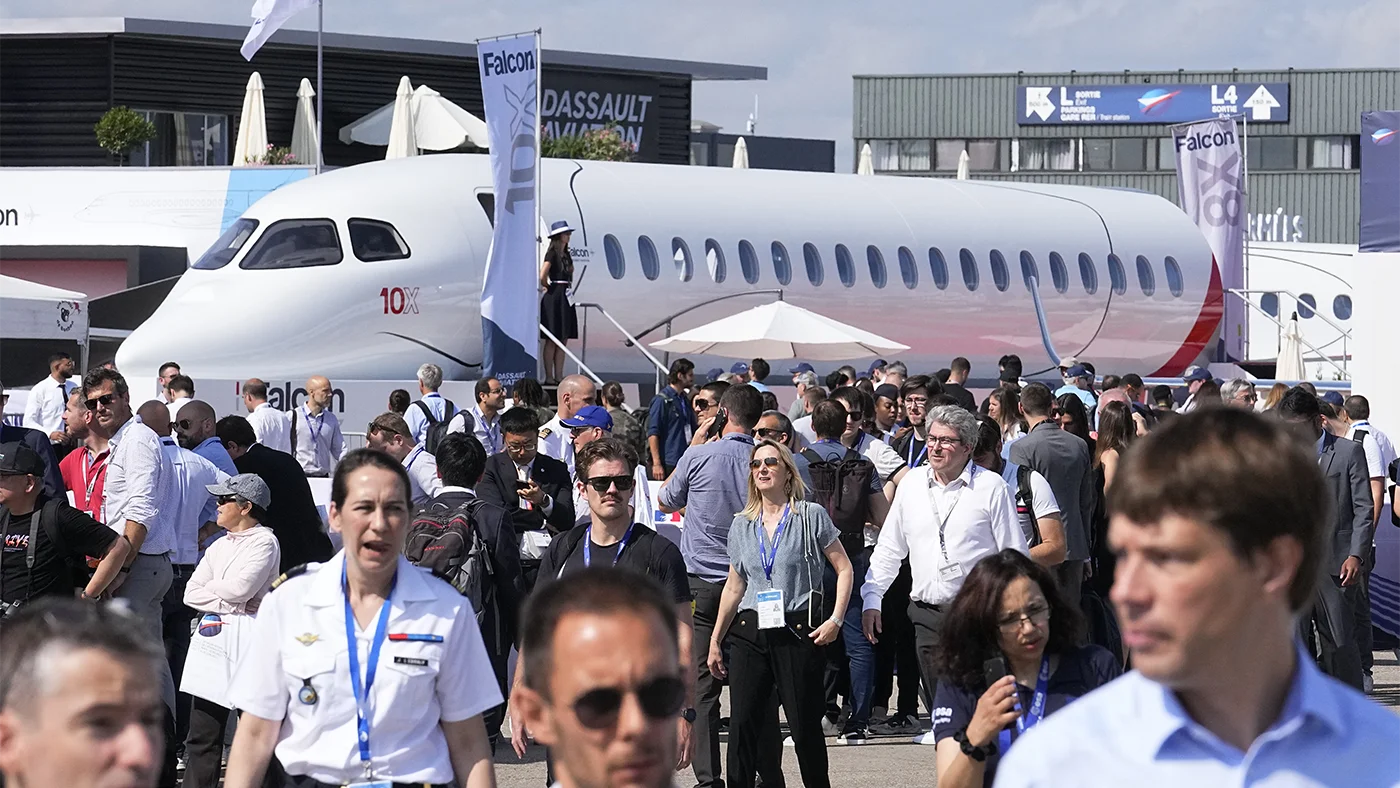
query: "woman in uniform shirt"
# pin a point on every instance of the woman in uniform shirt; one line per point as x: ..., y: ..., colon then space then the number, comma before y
x: 1009, y: 656
x: 365, y: 669
x: 777, y: 549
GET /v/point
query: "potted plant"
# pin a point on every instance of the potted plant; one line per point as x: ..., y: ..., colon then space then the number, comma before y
x: 121, y: 130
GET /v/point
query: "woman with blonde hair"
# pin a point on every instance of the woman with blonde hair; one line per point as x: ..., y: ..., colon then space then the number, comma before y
x: 778, y: 546
x: 1275, y: 395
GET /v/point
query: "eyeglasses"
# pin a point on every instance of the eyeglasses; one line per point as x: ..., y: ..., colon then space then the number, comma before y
x: 771, y: 462
x: 374, y: 428
x: 701, y: 403
x: 105, y: 401
x: 521, y: 446
x: 768, y: 433
x: 915, y: 402
x: 946, y: 442
x: 659, y: 698
x: 1038, y: 615
x: 600, y: 484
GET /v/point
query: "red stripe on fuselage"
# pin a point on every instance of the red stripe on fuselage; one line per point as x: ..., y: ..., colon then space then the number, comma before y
x: 1212, y: 310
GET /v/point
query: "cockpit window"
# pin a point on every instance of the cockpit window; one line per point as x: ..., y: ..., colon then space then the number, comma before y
x: 295, y: 243
x: 373, y: 240
x: 226, y: 248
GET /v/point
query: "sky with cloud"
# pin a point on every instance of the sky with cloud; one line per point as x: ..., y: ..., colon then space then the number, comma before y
x: 812, y: 47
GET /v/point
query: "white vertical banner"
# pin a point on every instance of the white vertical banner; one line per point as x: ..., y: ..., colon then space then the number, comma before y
x: 510, y: 306
x: 1210, y: 176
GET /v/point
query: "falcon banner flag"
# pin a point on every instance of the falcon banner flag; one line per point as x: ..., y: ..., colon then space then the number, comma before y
x: 1210, y: 176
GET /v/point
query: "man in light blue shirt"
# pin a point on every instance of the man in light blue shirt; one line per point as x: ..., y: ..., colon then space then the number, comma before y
x: 1079, y: 381
x: 432, y: 404
x: 1218, y: 521
x: 194, y: 427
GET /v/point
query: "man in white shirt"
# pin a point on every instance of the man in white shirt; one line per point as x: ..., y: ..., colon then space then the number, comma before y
x: 137, y: 502
x: 575, y: 392
x: 389, y: 433
x: 43, y: 411
x: 167, y: 371
x: 178, y: 391
x: 432, y: 408
x: 485, y: 416
x: 588, y: 425
x: 315, y: 437
x: 946, y: 517
x: 270, y: 425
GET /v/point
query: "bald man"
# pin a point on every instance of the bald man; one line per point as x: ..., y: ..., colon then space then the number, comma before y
x: 556, y: 440
x: 316, y: 440
x: 194, y: 427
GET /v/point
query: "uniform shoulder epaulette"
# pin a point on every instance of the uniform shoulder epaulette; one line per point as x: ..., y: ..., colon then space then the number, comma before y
x: 545, y: 432
x: 296, y: 571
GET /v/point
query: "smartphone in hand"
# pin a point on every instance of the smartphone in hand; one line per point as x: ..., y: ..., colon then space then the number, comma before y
x: 994, y: 669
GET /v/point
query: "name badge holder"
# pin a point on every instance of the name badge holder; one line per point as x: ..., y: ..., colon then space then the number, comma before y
x: 362, y: 690
x: 949, y: 570
x: 772, y: 613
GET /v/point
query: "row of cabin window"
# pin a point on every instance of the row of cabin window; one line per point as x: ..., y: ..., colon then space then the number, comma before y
x: 908, y: 267
x: 1307, y: 304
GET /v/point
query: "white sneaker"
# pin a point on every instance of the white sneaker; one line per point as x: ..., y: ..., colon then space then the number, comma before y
x: 925, y: 738
x: 830, y: 728
x: 788, y: 742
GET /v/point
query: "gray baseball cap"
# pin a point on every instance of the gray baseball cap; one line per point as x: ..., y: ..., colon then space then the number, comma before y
x: 246, y: 486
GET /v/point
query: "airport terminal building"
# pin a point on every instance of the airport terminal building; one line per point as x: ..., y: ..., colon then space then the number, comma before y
x: 1115, y: 129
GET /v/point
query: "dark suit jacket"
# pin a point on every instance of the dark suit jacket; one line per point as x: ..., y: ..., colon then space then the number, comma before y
x: 292, y: 516
x: 1343, y: 462
x: 39, y: 442
x: 494, y: 525
x: 1063, y: 459
x: 498, y: 486
x: 962, y: 395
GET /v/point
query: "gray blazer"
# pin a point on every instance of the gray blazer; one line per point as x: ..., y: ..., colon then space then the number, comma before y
x: 1343, y: 462
x: 1063, y: 459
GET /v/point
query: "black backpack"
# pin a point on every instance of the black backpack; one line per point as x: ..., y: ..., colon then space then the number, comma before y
x: 1025, y: 503
x: 842, y: 487
x: 45, y: 517
x: 445, y: 540
x: 437, y: 429
x: 1103, y: 624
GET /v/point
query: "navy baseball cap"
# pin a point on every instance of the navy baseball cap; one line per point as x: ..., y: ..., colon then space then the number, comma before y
x: 803, y: 367
x: 590, y: 416
x: 739, y: 368
x: 1196, y: 373
x: 1079, y: 371
x: 18, y: 459
x: 1334, y: 397
x: 878, y: 363
x: 714, y: 374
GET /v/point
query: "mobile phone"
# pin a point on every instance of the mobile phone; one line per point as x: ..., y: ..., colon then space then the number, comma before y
x: 521, y: 484
x: 717, y: 426
x: 994, y: 669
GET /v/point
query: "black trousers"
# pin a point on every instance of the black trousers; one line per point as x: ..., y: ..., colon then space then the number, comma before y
x: 928, y: 626
x: 759, y: 659
x: 204, y: 747
x: 177, y: 625
x: 895, y: 649
x: 1365, y: 641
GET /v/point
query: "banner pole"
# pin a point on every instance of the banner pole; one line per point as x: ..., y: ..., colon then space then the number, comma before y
x: 1248, y: 221
x: 320, y: 90
x: 539, y: 181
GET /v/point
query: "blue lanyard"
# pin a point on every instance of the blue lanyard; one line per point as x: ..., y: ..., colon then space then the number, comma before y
x: 914, y: 463
x: 767, y: 558
x: 313, y: 428
x: 362, y: 713
x: 417, y: 450
x: 1037, y: 711
x: 588, y: 540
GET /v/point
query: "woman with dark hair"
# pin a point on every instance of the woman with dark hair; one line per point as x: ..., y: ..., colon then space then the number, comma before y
x: 1073, y: 418
x: 1008, y: 657
x: 557, y: 315
x: 1003, y: 405
x: 1208, y: 394
x: 326, y: 685
x: 399, y: 401
x: 1116, y: 432
x: 530, y: 394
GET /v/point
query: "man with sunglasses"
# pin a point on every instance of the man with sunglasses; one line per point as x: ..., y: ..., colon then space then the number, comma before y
x: 588, y: 425
x: 84, y: 469
x: 606, y: 471
x: 602, y: 686
x: 194, y: 428
x: 39, y: 442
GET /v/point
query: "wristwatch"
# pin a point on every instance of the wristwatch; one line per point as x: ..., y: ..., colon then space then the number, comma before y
x: 689, y: 715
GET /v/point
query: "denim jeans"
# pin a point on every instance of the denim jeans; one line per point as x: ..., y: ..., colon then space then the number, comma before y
x: 860, y: 653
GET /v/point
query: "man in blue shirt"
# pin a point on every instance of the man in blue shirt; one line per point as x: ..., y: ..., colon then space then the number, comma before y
x: 1218, y: 523
x: 1079, y: 381
x: 671, y: 421
x: 711, y: 482
x: 194, y: 427
x: 432, y: 408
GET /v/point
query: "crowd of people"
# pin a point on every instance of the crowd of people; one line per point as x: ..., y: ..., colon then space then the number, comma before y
x: 887, y: 543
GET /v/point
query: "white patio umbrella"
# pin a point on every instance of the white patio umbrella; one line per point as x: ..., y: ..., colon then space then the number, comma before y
x: 403, y: 138
x: 866, y: 165
x: 304, y: 144
x: 962, y: 166
x: 741, y: 154
x: 1290, y: 353
x: 780, y: 330
x: 252, y: 124
x: 438, y: 123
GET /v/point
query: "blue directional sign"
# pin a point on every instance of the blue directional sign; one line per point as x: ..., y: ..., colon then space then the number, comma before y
x: 1058, y: 105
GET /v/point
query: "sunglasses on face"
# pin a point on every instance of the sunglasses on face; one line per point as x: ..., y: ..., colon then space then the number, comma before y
x: 771, y: 462
x: 701, y: 404
x: 184, y: 424
x: 854, y: 417
x: 223, y: 499
x: 577, y: 431
x: 600, y: 484
x: 659, y: 698
x: 768, y: 433
x: 105, y: 401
